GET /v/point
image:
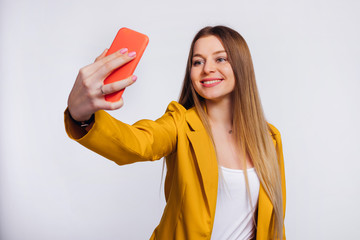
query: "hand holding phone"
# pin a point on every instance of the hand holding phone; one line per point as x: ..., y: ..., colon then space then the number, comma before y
x: 133, y: 41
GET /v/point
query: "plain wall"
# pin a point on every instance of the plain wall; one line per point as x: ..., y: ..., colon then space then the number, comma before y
x: 306, y: 56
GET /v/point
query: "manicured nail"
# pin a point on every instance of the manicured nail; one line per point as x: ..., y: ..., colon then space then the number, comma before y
x: 132, y: 54
x: 124, y: 50
x: 134, y: 78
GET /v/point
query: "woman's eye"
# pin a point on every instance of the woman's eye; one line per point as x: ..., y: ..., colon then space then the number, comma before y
x: 197, y: 62
x: 221, y: 59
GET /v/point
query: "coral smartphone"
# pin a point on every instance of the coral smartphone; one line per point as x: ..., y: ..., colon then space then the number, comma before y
x: 133, y: 41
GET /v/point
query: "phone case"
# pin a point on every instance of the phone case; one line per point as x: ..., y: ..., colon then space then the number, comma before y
x: 133, y: 41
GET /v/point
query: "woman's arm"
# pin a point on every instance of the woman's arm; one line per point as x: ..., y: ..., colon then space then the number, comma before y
x: 113, y: 139
x: 143, y: 141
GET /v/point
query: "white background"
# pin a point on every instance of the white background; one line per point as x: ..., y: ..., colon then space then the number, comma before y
x: 306, y: 56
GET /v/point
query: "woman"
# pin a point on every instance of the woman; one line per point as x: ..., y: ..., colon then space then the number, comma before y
x: 225, y: 172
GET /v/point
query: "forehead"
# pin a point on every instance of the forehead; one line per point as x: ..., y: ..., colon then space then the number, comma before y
x: 208, y: 45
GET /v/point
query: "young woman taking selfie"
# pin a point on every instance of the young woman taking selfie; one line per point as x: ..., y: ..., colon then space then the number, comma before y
x: 225, y: 171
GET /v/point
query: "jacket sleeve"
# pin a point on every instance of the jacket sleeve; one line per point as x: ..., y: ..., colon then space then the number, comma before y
x: 279, y: 152
x: 122, y: 143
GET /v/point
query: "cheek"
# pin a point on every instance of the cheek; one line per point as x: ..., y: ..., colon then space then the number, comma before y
x: 230, y: 73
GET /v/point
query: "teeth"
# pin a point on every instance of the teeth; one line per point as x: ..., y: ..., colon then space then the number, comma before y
x: 211, y: 82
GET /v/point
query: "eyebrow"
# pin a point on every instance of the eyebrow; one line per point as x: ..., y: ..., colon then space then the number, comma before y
x: 217, y: 52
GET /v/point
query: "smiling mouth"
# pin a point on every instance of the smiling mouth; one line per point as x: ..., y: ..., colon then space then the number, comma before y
x: 210, y: 82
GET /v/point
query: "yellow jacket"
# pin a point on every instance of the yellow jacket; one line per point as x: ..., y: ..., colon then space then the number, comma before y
x: 192, y: 170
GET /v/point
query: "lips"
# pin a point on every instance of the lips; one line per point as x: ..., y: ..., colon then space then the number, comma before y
x: 210, y: 82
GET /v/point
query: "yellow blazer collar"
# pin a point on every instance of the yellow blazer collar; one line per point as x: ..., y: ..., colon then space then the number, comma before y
x: 193, y: 119
x: 208, y: 168
x: 205, y: 158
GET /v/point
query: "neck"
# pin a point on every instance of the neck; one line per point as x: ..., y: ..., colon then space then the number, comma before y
x: 220, y: 113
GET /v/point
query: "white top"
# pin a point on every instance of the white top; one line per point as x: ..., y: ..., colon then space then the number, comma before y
x: 234, y: 216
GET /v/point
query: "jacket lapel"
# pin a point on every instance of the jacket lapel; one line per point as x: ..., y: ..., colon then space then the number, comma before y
x: 208, y: 169
x: 205, y: 158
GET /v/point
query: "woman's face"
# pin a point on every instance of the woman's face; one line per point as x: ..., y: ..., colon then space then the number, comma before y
x: 211, y: 73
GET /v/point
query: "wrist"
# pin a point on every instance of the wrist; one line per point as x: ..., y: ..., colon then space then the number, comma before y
x: 85, y: 123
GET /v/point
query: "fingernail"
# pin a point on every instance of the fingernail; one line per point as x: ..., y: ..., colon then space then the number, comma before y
x: 132, y: 54
x: 124, y: 50
x: 134, y: 78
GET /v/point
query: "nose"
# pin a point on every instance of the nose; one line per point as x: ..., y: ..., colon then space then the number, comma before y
x: 209, y: 67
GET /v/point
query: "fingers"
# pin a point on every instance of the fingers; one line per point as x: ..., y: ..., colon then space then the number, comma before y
x: 104, y: 65
x: 117, y: 86
x: 102, y: 55
x: 112, y: 62
x: 112, y: 105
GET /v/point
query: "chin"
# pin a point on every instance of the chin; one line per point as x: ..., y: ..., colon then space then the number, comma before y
x: 216, y: 98
x: 215, y: 95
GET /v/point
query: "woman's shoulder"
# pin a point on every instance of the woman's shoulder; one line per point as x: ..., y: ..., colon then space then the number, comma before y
x: 175, y: 107
x: 174, y: 112
x: 273, y: 130
x: 181, y: 114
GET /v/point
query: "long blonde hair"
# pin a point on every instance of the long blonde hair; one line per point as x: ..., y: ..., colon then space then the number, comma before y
x: 249, y: 124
